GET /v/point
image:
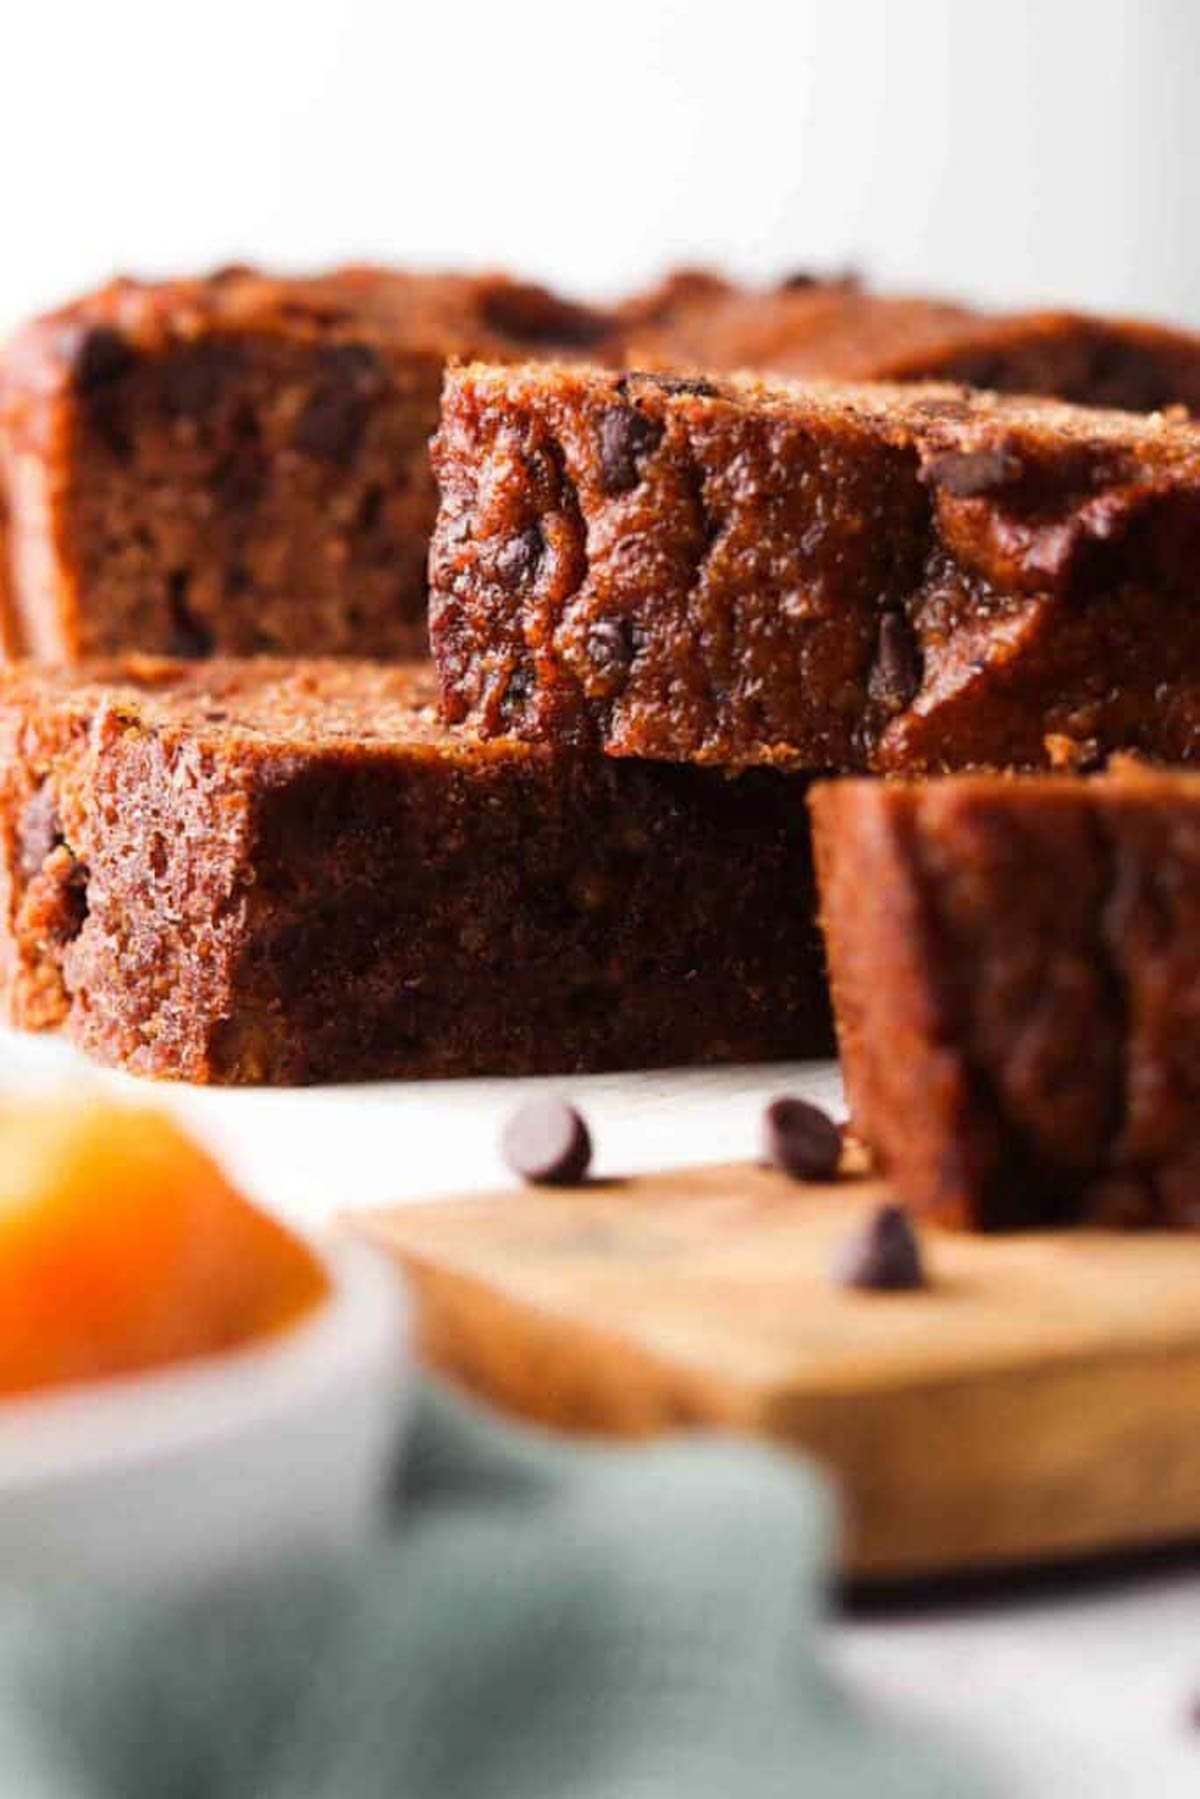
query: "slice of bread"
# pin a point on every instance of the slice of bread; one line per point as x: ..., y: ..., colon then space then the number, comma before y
x: 1016, y: 974
x: 239, y: 465
x: 287, y: 872
x: 865, y: 577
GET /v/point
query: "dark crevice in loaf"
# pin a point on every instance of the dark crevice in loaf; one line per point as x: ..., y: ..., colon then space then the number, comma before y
x: 624, y: 435
x: 561, y: 555
x: 703, y: 533
x: 894, y: 680
x: 48, y: 909
x: 44, y: 856
x: 565, y: 495
x: 189, y: 637
x: 997, y: 1159
x: 981, y: 1125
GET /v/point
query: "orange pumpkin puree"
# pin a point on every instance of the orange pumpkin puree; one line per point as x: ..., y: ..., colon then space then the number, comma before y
x: 123, y: 1247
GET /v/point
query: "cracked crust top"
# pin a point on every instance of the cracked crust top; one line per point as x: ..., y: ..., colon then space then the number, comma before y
x: 734, y: 571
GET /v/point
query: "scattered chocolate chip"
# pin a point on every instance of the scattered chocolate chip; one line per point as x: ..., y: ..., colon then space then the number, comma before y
x: 195, y: 377
x: 546, y: 1142
x: 687, y: 384
x: 189, y: 636
x: 517, y: 559
x: 73, y: 897
x: 967, y: 473
x: 39, y: 831
x: 624, y: 435
x: 847, y: 280
x: 946, y: 407
x: 352, y: 364
x: 241, y: 470
x: 884, y: 1256
x: 518, y: 688
x: 370, y: 508
x: 62, y: 903
x: 332, y: 422
x: 101, y: 355
x: 331, y: 427
x: 801, y: 1139
x: 896, y: 673
x: 670, y: 384
x: 610, y: 646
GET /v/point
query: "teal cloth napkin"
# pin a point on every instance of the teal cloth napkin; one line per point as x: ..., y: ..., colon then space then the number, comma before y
x: 545, y: 1621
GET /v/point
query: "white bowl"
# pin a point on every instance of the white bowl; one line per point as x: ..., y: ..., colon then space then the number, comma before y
x: 167, y: 1479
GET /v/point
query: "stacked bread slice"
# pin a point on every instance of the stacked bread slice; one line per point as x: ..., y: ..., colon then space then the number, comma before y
x: 905, y: 581
x: 263, y: 844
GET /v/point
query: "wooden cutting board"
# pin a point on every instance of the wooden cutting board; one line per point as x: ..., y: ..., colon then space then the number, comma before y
x: 1040, y: 1398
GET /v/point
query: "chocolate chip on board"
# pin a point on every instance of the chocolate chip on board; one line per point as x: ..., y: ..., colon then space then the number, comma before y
x: 547, y: 1143
x: 883, y: 1256
x: 800, y: 1139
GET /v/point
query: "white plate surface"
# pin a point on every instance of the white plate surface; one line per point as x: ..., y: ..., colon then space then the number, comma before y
x: 1076, y: 1692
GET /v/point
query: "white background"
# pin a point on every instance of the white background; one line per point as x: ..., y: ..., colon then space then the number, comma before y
x: 1018, y: 150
